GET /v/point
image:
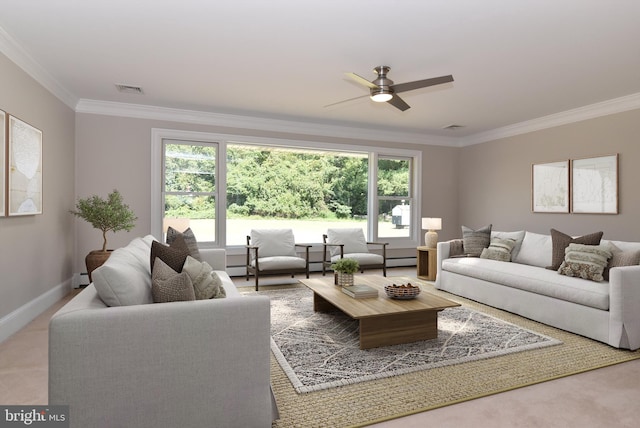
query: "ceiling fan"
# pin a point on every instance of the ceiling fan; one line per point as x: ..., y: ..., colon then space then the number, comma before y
x: 382, y: 89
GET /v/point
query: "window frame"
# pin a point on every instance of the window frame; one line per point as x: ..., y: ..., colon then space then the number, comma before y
x: 158, y: 135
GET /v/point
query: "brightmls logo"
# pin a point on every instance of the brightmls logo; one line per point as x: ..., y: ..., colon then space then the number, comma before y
x: 36, y: 416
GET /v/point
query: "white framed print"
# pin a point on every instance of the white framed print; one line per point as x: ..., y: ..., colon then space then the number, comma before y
x: 594, y: 187
x: 550, y: 187
x: 24, y: 168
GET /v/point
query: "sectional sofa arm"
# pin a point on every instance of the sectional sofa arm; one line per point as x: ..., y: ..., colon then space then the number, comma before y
x: 624, y: 301
x: 176, y: 364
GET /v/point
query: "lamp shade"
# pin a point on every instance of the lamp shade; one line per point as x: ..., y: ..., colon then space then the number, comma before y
x: 431, y: 223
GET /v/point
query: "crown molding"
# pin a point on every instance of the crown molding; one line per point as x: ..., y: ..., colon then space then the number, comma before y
x: 139, y: 111
x: 13, y: 51
x: 604, y: 108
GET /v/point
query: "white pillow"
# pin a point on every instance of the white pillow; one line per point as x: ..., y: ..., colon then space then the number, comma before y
x: 274, y: 242
x: 125, y: 278
x: 352, y: 238
x: 536, y: 250
x: 206, y: 283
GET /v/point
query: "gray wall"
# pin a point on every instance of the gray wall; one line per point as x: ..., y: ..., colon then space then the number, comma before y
x: 495, y: 177
x: 36, y: 251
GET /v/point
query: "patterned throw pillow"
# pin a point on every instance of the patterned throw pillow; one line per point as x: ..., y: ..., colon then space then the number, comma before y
x: 474, y: 241
x: 585, y: 261
x: 167, y: 285
x: 173, y: 255
x: 189, y: 239
x: 560, y: 241
x: 499, y: 249
x: 206, y: 283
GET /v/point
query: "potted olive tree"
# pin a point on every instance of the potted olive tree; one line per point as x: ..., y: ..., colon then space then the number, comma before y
x: 110, y: 214
x: 344, y: 270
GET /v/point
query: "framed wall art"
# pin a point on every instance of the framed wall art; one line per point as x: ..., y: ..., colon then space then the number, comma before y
x: 3, y: 162
x: 594, y: 187
x: 24, y: 168
x: 550, y: 187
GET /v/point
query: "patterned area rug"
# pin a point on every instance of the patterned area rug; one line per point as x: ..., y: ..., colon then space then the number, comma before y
x: 320, y: 350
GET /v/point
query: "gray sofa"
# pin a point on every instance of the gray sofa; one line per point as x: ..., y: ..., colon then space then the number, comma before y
x: 201, y: 363
x: 607, y: 311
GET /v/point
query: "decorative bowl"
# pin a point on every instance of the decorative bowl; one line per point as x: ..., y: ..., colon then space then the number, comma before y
x: 402, y: 291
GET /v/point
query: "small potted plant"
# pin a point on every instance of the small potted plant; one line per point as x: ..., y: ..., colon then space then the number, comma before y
x: 110, y: 214
x: 344, y: 270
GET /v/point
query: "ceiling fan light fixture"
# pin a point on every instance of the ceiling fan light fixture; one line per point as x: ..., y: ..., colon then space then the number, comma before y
x: 381, y: 95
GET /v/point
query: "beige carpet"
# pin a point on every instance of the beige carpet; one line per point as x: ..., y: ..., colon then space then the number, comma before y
x: 369, y: 402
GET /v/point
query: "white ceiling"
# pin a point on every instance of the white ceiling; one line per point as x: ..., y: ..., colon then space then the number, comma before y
x: 512, y: 61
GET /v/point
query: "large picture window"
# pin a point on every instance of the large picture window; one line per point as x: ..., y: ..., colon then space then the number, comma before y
x: 224, y: 186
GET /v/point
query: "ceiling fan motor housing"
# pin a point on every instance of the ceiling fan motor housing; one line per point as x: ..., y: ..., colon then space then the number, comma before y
x: 382, y: 82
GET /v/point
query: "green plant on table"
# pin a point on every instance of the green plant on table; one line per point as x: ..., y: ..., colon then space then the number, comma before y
x: 346, y: 265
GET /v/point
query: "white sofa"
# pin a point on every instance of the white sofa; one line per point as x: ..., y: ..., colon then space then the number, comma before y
x: 607, y: 311
x: 181, y: 364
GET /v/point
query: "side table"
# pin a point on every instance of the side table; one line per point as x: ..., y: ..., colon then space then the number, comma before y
x: 427, y: 263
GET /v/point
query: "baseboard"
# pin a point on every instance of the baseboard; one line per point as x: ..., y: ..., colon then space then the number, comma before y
x: 18, y: 319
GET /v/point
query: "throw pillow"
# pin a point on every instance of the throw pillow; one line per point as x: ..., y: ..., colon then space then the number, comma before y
x: 560, y: 241
x: 518, y: 237
x: 474, y: 241
x: 206, y: 283
x: 499, y: 249
x: 167, y: 285
x: 620, y: 258
x: 174, y: 255
x: 585, y: 261
x: 189, y: 239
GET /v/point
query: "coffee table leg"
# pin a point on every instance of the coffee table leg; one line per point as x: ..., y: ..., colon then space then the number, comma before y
x: 398, y: 328
x: 320, y: 304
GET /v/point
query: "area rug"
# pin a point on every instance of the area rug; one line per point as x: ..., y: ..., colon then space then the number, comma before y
x: 321, y: 350
x: 369, y: 402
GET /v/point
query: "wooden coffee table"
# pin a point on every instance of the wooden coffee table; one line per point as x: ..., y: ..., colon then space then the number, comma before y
x: 383, y: 321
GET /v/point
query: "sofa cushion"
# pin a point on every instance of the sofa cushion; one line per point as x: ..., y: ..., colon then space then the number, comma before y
x: 585, y: 261
x: 535, y: 250
x: 125, y: 278
x: 499, y: 249
x: 352, y: 238
x: 189, y: 239
x: 474, y: 241
x: 534, y: 279
x: 167, y: 285
x: 273, y: 242
x: 173, y: 255
x: 206, y: 283
x: 560, y: 241
x: 517, y: 236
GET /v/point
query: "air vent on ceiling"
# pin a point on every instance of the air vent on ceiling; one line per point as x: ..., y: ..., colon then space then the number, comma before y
x: 129, y: 89
x: 453, y: 127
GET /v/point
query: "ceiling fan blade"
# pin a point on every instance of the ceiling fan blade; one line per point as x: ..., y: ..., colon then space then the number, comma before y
x: 361, y: 80
x: 345, y: 101
x: 403, y: 87
x: 399, y: 103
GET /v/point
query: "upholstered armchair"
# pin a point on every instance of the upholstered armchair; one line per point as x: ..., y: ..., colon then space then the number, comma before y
x: 274, y: 252
x: 350, y: 243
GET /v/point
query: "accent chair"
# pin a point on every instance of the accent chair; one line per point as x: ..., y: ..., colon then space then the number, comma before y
x: 351, y: 243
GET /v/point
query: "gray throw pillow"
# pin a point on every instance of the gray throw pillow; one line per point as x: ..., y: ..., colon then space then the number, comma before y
x: 499, y: 249
x: 621, y: 258
x: 189, y: 239
x: 167, y: 285
x: 474, y: 241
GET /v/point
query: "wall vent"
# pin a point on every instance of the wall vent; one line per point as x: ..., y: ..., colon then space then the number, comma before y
x: 129, y: 89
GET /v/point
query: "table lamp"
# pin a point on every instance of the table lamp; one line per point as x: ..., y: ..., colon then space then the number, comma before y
x: 431, y: 237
